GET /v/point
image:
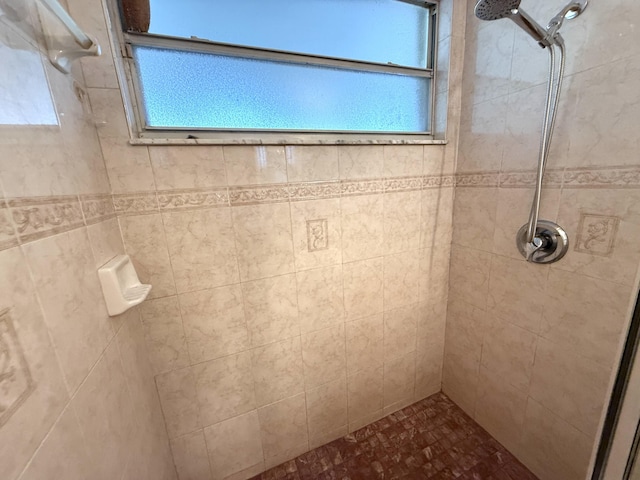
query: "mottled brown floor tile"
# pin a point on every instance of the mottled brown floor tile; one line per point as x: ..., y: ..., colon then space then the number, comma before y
x: 432, y: 439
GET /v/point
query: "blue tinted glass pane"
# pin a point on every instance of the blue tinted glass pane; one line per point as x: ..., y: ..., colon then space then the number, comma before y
x: 382, y: 31
x: 191, y: 90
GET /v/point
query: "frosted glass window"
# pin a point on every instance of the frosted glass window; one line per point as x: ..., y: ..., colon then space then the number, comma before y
x: 202, y: 90
x: 381, y: 31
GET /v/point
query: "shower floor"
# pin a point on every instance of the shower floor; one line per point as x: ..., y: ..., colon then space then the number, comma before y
x: 431, y: 439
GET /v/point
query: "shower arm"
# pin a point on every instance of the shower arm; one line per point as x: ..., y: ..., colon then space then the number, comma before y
x: 551, y: 110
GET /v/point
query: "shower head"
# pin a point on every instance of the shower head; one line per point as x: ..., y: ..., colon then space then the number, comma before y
x: 496, y: 9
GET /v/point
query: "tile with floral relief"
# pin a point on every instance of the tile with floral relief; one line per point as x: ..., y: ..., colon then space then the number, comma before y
x: 360, y: 161
x: 8, y: 237
x: 312, y: 163
x: 193, y: 199
x: 263, y: 240
x: 400, y: 327
x: 164, y: 334
x: 146, y: 244
x: 179, y: 399
x: 323, y: 355
x: 317, y: 238
x: 401, y: 222
x: 97, y: 208
x: 135, y: 203
x: 469, y: 275
x: 283, y: 428
x: 365, y: 343
x: 225, y: 388
x: 214, y: 322
x: 363, y: 287
x: 320, y: 298
x: 181, y: 167
x: 191, y: 456
x: 234, y: 445
x: 40, y: 217
x: 277, y: 370
x: 63, y: 270
x: 202, y: 248
x: 327, y: 409
x: 247, y: 165
x: 271, y: 309
x: 33, y: 392
x: 401, y: 279
x: 362, y: 227
x: 399, y: 380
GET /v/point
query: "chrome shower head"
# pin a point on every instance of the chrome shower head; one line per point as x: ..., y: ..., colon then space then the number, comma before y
x: 495, y: 9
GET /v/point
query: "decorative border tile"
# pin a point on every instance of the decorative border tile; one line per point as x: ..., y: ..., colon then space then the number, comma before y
x: 438, y: 181
x: 97, y: 208
x: 361, y: 187
x: 193, y: 199
x: 552, y: 178
x: 8, y: 237
x: 251, y: 195
x: 39, y: 217
x: 314, y: 191
x: 616, y: 177
x: 135, y: 203
x: 402, y: 184
x: 481, y: 179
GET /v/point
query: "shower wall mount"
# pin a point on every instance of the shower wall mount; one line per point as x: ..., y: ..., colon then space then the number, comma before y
x: 539, y: 241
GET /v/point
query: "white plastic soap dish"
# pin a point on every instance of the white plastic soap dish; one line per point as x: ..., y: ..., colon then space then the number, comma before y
x: 120, y: 285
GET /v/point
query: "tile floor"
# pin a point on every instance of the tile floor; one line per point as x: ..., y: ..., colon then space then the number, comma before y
x: 431, y: 439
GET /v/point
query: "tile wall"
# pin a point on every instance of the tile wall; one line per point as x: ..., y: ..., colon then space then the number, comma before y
x: 530, y: 348
x: 299, y: 292
x: 77, y: 396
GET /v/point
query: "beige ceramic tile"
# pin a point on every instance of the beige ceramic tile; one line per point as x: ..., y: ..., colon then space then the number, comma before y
x: 508, y: 300
x: 128, y: 166
x: 106, y: 416
x: 263, y: 240
x: 202, y: 248
x: 225, y: 388
x: 63, y: 270
x: 164, y: 334
x: 177, y: 391
x: 460, y: 379
x: 585, y: 315
x: 469, y: 276
x: 401, y: 279
x: 109, y: 113
x: 399, y: 380
x: 500, y: 409
x: 62, y: 454
x: 429, y: 371
x: 361, y: 161
x: 254, y: 165
x: 106, y: 241
x: 320, y: 298
x: 401, y: 221
x: 277, y: 371
x: 431, y: 325
x: 365, y: 390
x: 508, y: 352
x: 28, y: 412
x: 571, y: 386
x: 214, y: 323
x: 190, y: 457
x: 474, y: 216
x: 466, y: 326
x: 316, y: 249
x: 323, y: 354
x: 436, y: 210
x: 400, y: 327
x: 234, y: 445
x: 434, y: 274
x: 551, y: 447
x: 363, y: 288
x: 403, y: 160
x: 312, y: 163
x: 180, y: 167
x: 362, y: 227
x: 271, y: 309
x: 283, y: 428
x: 327, y: 410
x: 365, y: 343
x: 434, y: 160
x: 145, y: 242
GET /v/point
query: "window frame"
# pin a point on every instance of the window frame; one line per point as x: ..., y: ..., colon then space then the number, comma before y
x: 142, y: 134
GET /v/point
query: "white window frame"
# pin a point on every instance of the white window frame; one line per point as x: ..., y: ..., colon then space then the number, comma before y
x: 140, y: 134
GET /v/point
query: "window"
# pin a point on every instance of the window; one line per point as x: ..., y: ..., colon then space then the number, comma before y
x: 322, y: 66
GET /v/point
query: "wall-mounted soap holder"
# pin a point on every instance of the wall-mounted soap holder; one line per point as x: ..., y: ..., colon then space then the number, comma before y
x: 120, y: 285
